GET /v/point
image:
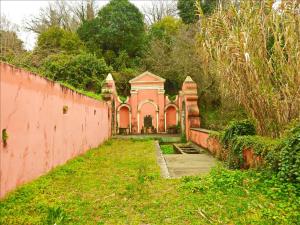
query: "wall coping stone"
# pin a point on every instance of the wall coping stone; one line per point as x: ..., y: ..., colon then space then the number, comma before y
x: 202, y: 130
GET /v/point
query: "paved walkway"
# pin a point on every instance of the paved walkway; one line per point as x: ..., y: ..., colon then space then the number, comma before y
x: 179, y: 165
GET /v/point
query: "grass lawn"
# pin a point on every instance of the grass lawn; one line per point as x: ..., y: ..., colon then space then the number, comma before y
x: 120, y: 183
x: 167, y: 149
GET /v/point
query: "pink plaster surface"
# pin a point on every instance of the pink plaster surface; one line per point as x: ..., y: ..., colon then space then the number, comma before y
x: 199, y: 138
x: 40, y: 135
x: 171, y: 116
x: 124, y: 117
x: 250, y: 160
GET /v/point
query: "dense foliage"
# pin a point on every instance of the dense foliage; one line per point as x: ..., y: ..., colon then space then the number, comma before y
x: 57, y: 40
x: 264, y: 147
x: 289, y: 157
x: 190, y: 10
x: 279, y: 155
x: 238, y: 128
x: 83, y: 71
x: 165, y: 29
x: 118, y: 26
x: 187, y: 11
x: 122, y: 78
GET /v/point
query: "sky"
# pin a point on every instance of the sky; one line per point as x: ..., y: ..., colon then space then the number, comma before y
x: 17, y: 12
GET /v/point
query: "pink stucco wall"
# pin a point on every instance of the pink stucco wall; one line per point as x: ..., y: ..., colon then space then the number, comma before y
x: 40, y: 135
x: 201, y: 138
x: 171, y: 116
x: 124, y: 117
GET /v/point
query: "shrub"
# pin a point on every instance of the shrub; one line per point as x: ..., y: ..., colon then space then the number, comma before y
x: 55, y: 40
x: 237, y: 128
x: 289, y: 157
x: 83, y: 71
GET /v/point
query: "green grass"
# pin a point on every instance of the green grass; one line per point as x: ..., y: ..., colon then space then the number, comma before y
x: 167, y: 149
x: 120, y: 183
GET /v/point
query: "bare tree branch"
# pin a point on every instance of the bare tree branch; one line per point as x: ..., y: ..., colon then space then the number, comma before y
x: 61, y: 13
x: 159, y: 9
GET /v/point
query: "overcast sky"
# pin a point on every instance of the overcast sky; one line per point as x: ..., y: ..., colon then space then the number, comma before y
x: 17, y: 11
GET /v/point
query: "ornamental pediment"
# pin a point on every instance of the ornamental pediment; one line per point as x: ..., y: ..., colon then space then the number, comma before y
x: 147, y: 77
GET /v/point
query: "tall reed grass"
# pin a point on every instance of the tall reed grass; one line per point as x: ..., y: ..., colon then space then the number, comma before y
x: 254, y: 51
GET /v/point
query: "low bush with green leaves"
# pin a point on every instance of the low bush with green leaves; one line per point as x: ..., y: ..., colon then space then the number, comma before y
x: 83, y: 71
x: 238, y: 128
x: 289, y: 157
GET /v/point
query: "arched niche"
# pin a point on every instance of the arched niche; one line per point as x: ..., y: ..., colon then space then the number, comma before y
x: 124, y: 118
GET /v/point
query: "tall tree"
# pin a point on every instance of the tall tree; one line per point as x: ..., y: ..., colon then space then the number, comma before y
x: 118, y: 26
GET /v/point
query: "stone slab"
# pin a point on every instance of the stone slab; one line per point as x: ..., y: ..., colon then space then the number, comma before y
x: 189, y: 164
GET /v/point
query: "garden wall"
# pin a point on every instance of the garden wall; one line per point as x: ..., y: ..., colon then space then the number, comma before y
x: 201, y: 137
x: 43, y: 125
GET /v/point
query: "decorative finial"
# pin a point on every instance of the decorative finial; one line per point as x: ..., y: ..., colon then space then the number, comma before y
x: 188, y: 79
x: 109, y: 77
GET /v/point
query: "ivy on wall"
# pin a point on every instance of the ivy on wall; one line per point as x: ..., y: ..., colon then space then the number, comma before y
x: 280, y: 155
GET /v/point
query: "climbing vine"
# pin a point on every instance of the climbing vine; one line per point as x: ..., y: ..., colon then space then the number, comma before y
x: 281, y: 155
x: 262, y: 146
x: 289, y: 157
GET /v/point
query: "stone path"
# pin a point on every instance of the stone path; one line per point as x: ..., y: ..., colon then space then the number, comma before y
x: 179, y: 165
